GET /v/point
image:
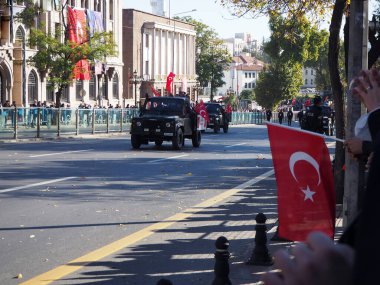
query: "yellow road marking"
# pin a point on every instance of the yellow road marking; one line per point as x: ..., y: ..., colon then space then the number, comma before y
x: 76, y: 264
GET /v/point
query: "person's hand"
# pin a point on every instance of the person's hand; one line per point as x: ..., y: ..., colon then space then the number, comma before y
x: 354, y: 146
x: 318, y: 261
x: 367, y: 87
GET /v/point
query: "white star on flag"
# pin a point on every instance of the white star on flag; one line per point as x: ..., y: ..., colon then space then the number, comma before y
x: 308, y: 194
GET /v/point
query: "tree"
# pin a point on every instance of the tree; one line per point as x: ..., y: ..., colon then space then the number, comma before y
x: 247, y: 94
x: 277, y: 80
x: 212, y: 57
x: 57, y: 59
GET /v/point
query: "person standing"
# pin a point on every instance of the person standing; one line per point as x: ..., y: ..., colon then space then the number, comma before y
x: 280, y: 116
x: 268, y: 114
x: 289, y: 115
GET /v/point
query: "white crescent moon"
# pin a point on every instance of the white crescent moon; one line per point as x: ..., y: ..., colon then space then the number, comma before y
x: 298, y: 156
x: 202, y: 113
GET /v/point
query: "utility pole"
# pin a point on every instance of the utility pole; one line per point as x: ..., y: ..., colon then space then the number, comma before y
x: 357, y: 60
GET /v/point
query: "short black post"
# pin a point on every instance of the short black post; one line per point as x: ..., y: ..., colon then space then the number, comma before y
x: 164, y: 281
x: 222, y: 268
x: 260, y: 254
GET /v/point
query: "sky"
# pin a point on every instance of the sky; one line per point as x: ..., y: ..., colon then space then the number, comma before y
x: 211, y: 14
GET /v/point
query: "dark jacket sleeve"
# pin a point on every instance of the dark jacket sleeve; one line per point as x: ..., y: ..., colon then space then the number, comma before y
x: 367, y: 249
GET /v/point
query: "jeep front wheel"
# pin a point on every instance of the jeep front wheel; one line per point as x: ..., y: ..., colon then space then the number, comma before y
x: 196, y: 138
x: 135, y: 141
x: 178, y: 140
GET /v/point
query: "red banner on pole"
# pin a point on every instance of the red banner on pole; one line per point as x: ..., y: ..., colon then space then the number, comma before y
x: 169, y: 81
x: 305, y: 186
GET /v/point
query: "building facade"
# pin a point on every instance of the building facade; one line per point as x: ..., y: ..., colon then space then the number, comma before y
x: 22, y: 83
x: 242, y: 74
x: 154, y: 46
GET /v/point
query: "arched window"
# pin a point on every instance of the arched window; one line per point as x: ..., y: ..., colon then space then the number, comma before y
x: 79, y: 90
x: 32, y: 87
x: 20, y: 36
x: 115, y: 86
x: 92, y: 94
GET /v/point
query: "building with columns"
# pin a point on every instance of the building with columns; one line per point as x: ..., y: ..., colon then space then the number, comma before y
x: 154, y: 46
x: 23, y: 83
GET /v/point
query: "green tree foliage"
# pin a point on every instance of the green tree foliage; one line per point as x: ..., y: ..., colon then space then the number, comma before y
x: 279, y: 81
x: 28, y: 14
x: 247, y: 94
x: 57, y: 58
x: 212, y: 57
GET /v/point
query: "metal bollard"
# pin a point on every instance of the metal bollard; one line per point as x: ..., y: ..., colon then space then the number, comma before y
x: 222, y: 268
x: 260, y: 254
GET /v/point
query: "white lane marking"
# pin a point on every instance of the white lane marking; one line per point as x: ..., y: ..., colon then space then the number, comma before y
x: 37, y: 184
x: 235, y: 145
x: 167, y: 158
x: 57, y: 153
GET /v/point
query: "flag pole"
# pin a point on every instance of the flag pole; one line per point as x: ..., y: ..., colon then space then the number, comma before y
x: 307, y: 132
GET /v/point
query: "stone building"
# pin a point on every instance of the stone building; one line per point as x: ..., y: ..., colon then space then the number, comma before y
x: 154, y: 46
x: 23, y: 84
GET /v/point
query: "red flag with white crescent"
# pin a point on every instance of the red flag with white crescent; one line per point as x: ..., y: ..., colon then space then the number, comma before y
x: 305, y: 186
x: 169, y: 81
x: 201, y: 110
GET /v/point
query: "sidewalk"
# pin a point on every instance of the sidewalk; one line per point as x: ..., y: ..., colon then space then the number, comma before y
x: 184, y: 251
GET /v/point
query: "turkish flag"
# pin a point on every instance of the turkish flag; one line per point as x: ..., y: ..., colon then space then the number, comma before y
x: 305, y: 185
x: 169, y: 81
x: 201, y: 110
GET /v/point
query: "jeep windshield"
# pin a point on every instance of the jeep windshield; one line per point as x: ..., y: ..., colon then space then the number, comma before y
x: 165, y: 105
x: 213, y: 108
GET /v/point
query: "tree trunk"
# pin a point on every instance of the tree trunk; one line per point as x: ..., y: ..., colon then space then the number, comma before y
x: 337, y: 90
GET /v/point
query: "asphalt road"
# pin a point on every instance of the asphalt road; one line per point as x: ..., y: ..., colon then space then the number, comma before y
x: 62, y: 199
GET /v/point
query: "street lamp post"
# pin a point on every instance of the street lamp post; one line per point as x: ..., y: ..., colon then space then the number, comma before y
x: 135, y: 79
x: 173, y: 44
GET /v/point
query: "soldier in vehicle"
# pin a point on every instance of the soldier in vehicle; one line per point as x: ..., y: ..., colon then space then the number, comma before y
x: 314, y: 116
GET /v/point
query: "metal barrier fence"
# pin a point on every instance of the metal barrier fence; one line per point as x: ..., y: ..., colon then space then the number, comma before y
x: 40, y: 122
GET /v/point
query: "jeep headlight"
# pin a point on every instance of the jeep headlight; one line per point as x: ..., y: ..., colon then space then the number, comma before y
x: 138, y: 124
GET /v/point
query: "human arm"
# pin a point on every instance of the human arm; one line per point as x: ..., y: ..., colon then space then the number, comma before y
x: 317, y: 261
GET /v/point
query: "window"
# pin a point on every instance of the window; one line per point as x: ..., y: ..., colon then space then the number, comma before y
x: 115, y: 87
x: 246, y: 85
x: 250, y: 75
x: 49, y: 92
x: 32, y: 87
x: 246, y: 75
x: 19, y: 37
x: 65, y: 95
x: 254, y: 75
x: 111, y: 10
x: 306, y: 71
x: 92, y: 94
x: 305, y: 81
x: 253, y: 84
x: 104, y: 88
x: 249, y: 85
x: 79, y: 91
x: 311, y: 81
x: 312, y: 73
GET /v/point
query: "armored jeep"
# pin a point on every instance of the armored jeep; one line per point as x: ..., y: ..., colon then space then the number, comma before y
x: 165, y: 119
x: 218, y: 117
